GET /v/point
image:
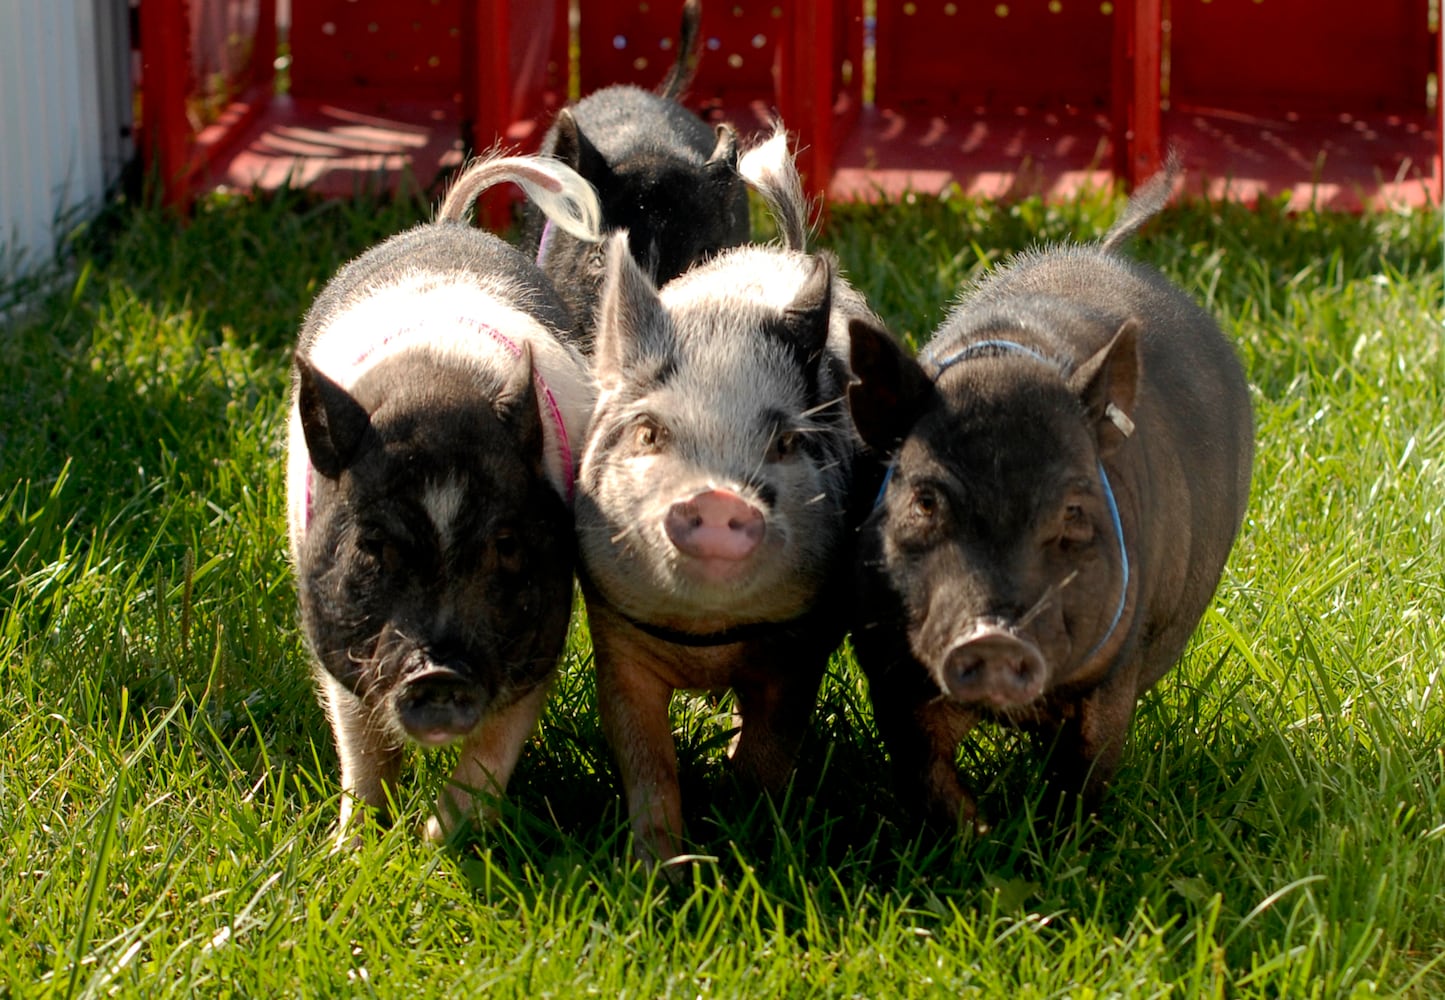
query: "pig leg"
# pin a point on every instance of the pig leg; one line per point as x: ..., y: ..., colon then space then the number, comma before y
x: 773, y: 716
x: 922, y: 739
x: 370, y: 756
x: 489, y: 756
x: 1092, y: 741
x: 944, y: 725
x: 633, y: 703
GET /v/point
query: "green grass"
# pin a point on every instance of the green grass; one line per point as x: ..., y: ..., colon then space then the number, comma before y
x: 167, y: 781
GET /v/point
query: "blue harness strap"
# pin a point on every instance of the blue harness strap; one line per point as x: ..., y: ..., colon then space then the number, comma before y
x: 1123, y: 562
x: 963, y: 354
x: 977, y: 348
x: 1009, y: 347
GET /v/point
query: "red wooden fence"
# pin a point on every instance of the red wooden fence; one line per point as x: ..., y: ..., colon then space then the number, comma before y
x: 1021, y: 96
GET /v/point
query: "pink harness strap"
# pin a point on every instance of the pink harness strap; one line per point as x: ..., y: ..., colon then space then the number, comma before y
x: 549, y: 401
x: 564, y: 447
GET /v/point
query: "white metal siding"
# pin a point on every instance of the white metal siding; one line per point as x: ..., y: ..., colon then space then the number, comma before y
x: 65, y: 115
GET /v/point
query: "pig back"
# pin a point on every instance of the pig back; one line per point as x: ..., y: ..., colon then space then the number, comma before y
x: 448, y: 250
x: 623, y: 120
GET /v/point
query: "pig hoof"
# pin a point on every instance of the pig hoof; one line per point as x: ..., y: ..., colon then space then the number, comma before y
x: 444, y: 824
x: 440, y: 832
x: 659, y: 851
x: 967, y: 824
x: 346, y: 842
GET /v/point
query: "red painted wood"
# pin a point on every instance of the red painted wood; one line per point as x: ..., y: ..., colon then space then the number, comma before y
x: 165, y: 133
x: 1004, y: 98
x: 634, y: 41
x: 1263, y: 56
x: 485, y: 106
x: 263, y: 64
x: 759, y: 57
x: 256, y: 82
x: 1330, y: 109
x: 1143, y: 140
x: 820, y: 69
x: 376, y: 47
x: 999, y: 55
x: 341, y: 148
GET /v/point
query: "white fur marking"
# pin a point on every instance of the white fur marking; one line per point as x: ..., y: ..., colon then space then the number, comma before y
x: 443, y: 504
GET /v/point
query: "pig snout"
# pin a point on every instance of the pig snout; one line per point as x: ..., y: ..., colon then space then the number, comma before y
x: 994, y: 666
x: 715, y: 525
x: 438, y: 704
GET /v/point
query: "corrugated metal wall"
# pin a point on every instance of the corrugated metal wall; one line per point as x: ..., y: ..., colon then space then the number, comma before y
x: 65, y: 119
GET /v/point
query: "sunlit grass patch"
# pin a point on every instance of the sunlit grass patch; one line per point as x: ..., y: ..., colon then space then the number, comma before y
x: 167, y: 780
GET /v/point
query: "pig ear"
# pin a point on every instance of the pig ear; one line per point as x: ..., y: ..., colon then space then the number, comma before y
x: 516, y: 406
x: 333, y: 422
x: 806, y: 318
x: 1107, y: 384
x: 632, y: 326
x: 724, y: 158
x: 576, y: 150
x: 891, y: 390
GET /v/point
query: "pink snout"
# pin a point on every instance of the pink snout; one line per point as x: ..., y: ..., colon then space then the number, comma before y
x: 715, y: 524
x: 993, y: 666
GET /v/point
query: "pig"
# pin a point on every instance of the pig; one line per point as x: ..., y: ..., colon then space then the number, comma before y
x: 436, y: 410
x: 714, y: 500
x: 661, y: 173
x: 1070, y: 463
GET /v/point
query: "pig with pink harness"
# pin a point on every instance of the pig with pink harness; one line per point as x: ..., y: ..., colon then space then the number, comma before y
x: 437, y: 408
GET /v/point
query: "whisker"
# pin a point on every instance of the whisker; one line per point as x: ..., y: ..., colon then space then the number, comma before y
x: 823, y: 406
x: 602, y: 529
x: 1044, y: 601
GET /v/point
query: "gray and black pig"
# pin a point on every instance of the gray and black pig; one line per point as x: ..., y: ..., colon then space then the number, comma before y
x: 713, y: 503
x: 661, y: 173
x: 436, y: 412
x: 1070, y: 466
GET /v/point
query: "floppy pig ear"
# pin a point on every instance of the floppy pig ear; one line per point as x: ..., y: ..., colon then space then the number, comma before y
x: 632, y: 326
x: 333, y: 422
x: 1107, y: 384
x: 891, y: 391
x: 516, y: 407
x: 576, y: 150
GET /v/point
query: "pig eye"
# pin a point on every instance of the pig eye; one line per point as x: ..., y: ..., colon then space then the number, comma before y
x: 382, y: 552
x: 508, y: 548
x: 1076, y: 527
x: 784, y: 446
x: 650, y: 435
x: 924, y: 502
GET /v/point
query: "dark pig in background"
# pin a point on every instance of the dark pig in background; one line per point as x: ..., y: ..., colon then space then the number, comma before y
x: 1070, y: 466
x: 713, y: 504
x: 436, y: 411
x: 661, y: 173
